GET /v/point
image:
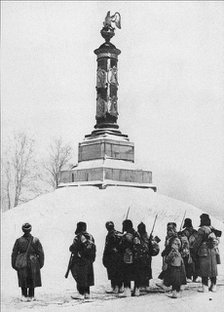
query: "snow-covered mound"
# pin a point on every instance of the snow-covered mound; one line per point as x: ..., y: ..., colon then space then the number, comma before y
x: 54, y: 217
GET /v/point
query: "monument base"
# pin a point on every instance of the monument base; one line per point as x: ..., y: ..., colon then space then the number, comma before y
x: 105, y: 172
x: 106, y: 145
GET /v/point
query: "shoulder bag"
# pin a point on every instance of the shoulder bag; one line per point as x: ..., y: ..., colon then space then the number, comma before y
x: 21, y: 259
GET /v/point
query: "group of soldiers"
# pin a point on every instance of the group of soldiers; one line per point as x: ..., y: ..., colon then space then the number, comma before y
x: 127, y: 257
x: 189, y: 254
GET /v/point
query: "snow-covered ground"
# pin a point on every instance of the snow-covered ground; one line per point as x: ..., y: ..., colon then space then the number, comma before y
x: 54, y: 217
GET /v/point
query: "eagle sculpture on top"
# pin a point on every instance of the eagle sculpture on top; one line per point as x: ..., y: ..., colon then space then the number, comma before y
x: 116, y: 18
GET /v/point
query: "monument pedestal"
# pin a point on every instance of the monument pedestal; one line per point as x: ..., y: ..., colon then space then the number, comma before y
x: 106, y: 160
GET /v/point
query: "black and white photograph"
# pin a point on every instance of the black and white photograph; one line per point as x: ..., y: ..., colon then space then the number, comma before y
x: 112, y: 156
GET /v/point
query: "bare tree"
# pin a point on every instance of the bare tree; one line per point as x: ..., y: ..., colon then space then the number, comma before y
x: 59, y: 155
x: 5, y: 182
x: 22, y: 160
x: 23, y: 176
x: 17, y: 170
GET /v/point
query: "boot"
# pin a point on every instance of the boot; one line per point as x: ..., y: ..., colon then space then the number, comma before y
x: 137, y: 292
x: 78, y: 296
x: 121, y: 289
x: 162, y: 286
x: 86, y: 296
x: 110, y: 291
x: 182, y: 287
x: 24, y: 299
x: 212, y: 288
x: 204, y: 289
x: 116, y: 290
x: 174, y: 294
x: 127, y: 292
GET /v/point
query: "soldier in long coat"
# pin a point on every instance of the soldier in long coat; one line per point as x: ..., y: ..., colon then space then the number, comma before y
x: 174, y: 274
x: 204, y: 251
x: 145, y: 259
x: 171, y: 234
x: 129, y: 245
x: 82, y: 264
x: 164, y: 275
x: 29, y: 277
x: 190, y: 233
x: 112, y: 258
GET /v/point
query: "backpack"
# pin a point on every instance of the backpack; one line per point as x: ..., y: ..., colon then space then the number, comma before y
x: 130, y: 242
x: 142, y: 253
x: 184, y: 249
x: 127, y: 242
x: 88, y: 246
x: 192, y: 239
x: 128, y: 256
x: 154, y: 248
x: 212, y: 241
x: 141, y: 250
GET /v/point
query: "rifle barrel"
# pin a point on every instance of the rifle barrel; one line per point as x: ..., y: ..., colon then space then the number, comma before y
x: 69, y: 265
x: 183, y: 220
x: 127, y: 213
x: 154, y: 224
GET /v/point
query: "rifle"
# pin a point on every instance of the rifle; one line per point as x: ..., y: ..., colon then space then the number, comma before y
x: 153, y: 225
x: 181, y: 225
x: 127, y: 212
x: 69, y: 265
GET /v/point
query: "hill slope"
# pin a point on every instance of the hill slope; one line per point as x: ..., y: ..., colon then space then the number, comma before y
x: 54, y: 217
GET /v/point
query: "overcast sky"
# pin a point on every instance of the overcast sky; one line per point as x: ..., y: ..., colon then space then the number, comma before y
x: 171, y: 84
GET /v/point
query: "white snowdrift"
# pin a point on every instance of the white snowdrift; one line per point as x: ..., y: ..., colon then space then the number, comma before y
x: 54, y: 217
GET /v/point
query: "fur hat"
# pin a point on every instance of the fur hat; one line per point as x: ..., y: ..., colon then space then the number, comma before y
x: 109, y: 225
x: 141, y: 227
x: 205, y: 220
x: 81, y: 227
x: 26, y: 227
x: 187, y: 223
x: 171, y: 225
x: 127, y: 225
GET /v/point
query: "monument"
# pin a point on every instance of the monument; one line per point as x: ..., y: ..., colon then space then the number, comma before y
x: 106, y: 156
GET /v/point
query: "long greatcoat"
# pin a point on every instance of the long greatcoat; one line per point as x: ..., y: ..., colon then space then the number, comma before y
x: 190, y: 265
x: 175, y: 273
x: 130, y: 241
x: 82, y: 267
x: 29, y: 277
x: 206, y: 253
x: 112, y: 258
x: 145, y: 269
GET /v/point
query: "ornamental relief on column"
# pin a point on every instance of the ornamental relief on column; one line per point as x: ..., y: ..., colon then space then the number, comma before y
x: 103, y: 107
x: 101, y: 78
x: 104, y: 77
x: 112, y: 76
x: 112, y: 106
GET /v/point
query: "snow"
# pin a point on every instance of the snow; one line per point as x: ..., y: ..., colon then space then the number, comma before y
x: 108, y: 136
x: 54, y: 216
x: 107, y: 163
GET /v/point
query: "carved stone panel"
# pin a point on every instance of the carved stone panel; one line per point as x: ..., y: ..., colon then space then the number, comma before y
x: 112, y: 76
x: 101, y: 106
x: 101, y: 81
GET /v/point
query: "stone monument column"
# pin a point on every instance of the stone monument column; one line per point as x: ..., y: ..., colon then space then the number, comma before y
x: 107, y: 80
x: 106, y: 156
